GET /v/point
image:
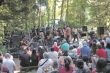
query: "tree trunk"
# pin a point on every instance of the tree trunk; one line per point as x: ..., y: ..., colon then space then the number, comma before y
x: 67, y: 12
x: 61, y: 12
x: 54, y: 10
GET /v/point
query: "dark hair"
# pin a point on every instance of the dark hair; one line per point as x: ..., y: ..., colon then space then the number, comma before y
x: 28, y: 48
x: 94, y: 47
x: 41, y: 53
x: 102, y: 43
x: 67, y: 64
x: 65, y: 53
x: 52, y: 49
x: 33, y: 52
x: 108, y: 45
x: 99, y: 46
x: 39, y: 49
x: 90, y: 44
x: 85, y: 59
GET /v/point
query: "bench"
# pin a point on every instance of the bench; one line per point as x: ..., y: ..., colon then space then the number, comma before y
x: 27, y: 68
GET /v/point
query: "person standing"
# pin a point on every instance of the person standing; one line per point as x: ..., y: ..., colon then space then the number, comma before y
x: 92, y: 34
x: 38, y: 30
x: 68, y: 32
x: 34, y: 31
x: 75, y: 35
x: 48, y: 33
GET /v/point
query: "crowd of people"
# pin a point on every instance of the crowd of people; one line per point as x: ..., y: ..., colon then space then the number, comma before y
x: 91, y: 56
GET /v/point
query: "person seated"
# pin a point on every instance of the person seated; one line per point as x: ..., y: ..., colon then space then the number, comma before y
x: 67, y: 68
x: 85, y: 50
x: 45, y: 63
x: 34, y: 58
x: 101, y: 66
x: 55, y: 46
x: 81, y: 68
x: 102, y: 43
x: 11, y: 57
x: 86, y: 61
x: 74, y: 52
x: 108, y: 52
x: 24, y: 59
x: 101, y: 53
x: 105, y: 41
x: 10, y: 64
x: 61, y: 63
x: 93, y: 48
x: 28, y: 51
x: 53, y: 55
x: 65, y: 46
x: 3, y: 68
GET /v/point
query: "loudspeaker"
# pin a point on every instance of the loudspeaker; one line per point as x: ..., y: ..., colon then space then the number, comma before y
x: 100, y: 30
x: 84, y: 28
x: 16, y: 40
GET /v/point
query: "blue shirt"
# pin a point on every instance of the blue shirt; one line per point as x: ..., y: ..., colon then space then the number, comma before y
x: 108, y: 54
x: 108, y: 40
x: 85, y: 51
x: 65, y: 46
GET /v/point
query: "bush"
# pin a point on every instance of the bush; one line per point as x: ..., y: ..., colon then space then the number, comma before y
x: 3, y: 50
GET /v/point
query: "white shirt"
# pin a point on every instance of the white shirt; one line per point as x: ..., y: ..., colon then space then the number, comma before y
x: 46, y: 64
x: 54, y: 56
x: 9, y: 64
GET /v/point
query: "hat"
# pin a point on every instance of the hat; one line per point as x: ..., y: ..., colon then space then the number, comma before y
x: 101, y: 65
x: 79, y: 63
x: 45, y: 55
x: 64, y: 41
x: 84, y: 43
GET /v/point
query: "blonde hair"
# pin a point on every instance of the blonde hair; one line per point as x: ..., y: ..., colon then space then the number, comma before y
x: 55, y: 44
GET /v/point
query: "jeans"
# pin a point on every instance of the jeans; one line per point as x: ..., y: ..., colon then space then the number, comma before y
x: 67, y: 39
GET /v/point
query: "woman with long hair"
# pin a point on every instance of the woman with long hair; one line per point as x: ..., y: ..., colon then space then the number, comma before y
x: 34, y: 58
x: 61, y: 62
x: 68, y: 68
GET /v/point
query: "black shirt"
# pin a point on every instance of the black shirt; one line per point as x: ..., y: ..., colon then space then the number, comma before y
x: 34, y: 59
x: 25, y: 59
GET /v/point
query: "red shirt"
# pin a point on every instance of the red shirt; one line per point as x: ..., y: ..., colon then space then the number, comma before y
x: 56, y: 49
x: 101, y: 53
x: 64, y: 71
x: 38, y: 56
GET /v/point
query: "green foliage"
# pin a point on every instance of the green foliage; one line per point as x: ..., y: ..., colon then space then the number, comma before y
x: 3, y: 50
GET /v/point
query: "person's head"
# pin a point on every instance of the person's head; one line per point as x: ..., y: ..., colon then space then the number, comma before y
x: 46, y: 55
x: 67, y: 25
x: 104, y: 38
x: 67, y: 64
x: 25, y: 51
x: 91, y: 29
x: 55, y: 44
x: 74, y: 46
x: 94, y: 45
x: 85, y: 58
x: 65, y: 53
x: 102, y: 43
x: 7, y: 55
x: 59, y: 26
x: 101, y: 65
x: 49, y: 29
x: 52, y: 49
x: 80, y: 29
x: 108, y: 45
x: 0, y: 53
x: 84, y: 43
x: 39, y: 49
x: 28, y: 48
x: 33, y: 52
x: 99, y: 46
x: 64, y: 41
x: 80, y: 63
